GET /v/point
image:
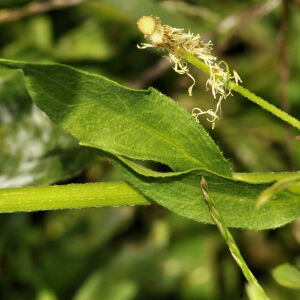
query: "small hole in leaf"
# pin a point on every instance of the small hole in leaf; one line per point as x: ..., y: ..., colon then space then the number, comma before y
x: 152, y: 165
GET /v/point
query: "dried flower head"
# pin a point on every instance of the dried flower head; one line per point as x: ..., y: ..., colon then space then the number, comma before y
x: 172, y: 40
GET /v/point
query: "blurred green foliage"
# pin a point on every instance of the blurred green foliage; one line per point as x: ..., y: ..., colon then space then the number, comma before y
x: 144, y: 253
x: 287, y: 275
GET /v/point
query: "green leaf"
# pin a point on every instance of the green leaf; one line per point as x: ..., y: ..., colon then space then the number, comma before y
x: 235, y: 200
x: 130, y: 125
x: 185, y: 252
x: 287, y: 275
x: 85, y: 42
x: 95, y: 287
x: 46, y: 294
x: 131, y: 269
x: 137, y: 124
x: 33, y: 151
x: 252, y: 293
x: 30, y: 40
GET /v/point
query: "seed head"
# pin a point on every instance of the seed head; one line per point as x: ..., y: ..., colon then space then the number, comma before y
x: 147, y: 25
x: 172, y: 40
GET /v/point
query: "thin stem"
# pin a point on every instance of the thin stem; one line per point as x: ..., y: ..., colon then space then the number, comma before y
x: 235, y: 252
x: 193, y: 60
x: 241, y: 90
x: 9, y: 15
x: 266, y: 105
x: 69, y: 196
x: 276, y: 188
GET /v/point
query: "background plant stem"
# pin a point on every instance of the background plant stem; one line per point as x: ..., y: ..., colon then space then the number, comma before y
x: 235, y: 252
x: 244, y: 92
x: 69, y: 196
x: 34, y: 8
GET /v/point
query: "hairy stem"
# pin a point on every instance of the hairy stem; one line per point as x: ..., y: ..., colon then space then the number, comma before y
x: 69, y: 196
x: 241, y: 90
x: 266, y: 105
x: 235, y: 252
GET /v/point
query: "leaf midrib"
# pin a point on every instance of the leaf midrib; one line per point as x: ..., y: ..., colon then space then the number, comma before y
x: 149, y: 129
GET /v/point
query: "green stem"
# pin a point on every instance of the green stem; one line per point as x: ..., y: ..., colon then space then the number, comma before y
x: 235, y: 252
x: 264, y: 104
x: 193, y: 60
x: 276, y: 188
x: 241, y: 90
x: 69, y: 196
